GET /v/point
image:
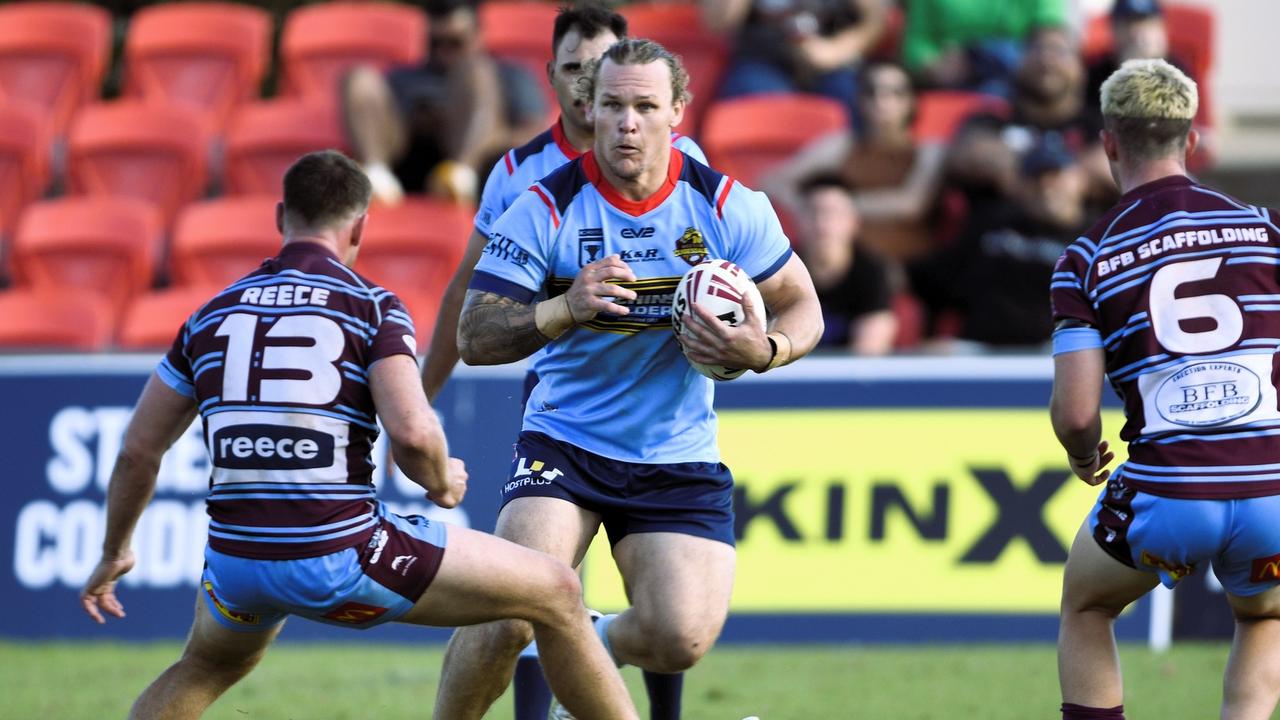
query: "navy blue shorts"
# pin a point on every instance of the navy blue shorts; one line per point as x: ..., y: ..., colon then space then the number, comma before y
x: 694, y: 498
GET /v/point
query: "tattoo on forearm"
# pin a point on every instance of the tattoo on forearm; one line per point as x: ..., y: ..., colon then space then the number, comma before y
x: 494, y: 329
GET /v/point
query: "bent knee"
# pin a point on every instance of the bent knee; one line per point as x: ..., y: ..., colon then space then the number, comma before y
x: 507, y: 636
x: 560, y: 594
x: 674, y: 651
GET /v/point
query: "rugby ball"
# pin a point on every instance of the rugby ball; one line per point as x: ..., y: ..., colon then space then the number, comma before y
x: 718, y: 286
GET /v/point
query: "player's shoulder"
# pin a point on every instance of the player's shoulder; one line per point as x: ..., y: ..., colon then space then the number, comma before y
x: 713, y: 186
x: 518, y: 156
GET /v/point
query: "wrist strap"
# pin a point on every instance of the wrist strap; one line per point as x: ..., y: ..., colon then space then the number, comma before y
x: 553, y: 319
x: 780, y: 346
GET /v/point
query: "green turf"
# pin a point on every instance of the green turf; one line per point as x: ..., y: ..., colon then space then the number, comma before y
x: 323, y: 682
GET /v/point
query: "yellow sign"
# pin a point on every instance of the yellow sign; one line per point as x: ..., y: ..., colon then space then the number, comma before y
x: 931, y: 511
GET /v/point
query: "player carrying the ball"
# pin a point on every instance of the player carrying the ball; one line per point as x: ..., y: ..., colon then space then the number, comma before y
x: 620, y: 429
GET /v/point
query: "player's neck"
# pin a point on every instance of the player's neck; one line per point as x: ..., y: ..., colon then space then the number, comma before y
x: 581, y: 140
x: 643, y: 186
x: 327, y: 242
x: 1137, y: 175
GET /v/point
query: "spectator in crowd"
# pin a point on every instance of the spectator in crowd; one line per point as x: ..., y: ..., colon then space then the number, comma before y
x: 853, y: 283
x: 796, y: 45
x: 995, y: 275
x: 432, y: 127
x: 972, y: 44
x: 894, y: 178
x: 1048, y: 100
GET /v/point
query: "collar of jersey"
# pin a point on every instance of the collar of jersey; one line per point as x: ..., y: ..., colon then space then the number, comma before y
x: 562, y: 141
x: 1157, y: 184
x: 306, y: 247
x: 635, y: 208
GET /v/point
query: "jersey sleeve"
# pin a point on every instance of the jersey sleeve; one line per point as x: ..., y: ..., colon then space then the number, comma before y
x: 395, y: 334
x: 1074, y: 317
x: 495, y: 196
x: 757, y: 243
x: 515, y: 260
x: 175, y: 367
x: 686, y: 145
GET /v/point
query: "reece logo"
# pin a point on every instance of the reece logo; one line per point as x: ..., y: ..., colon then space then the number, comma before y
x: 271, y: 447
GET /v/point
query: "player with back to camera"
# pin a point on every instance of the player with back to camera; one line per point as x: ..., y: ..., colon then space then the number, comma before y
x: 619, y: 430
x: 1167, y: 297
x: 580, y: 35
x: 288, y: 368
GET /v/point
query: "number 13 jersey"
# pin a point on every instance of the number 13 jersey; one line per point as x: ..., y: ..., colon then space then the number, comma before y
x: 1178, y: 284
x: 279, y: 365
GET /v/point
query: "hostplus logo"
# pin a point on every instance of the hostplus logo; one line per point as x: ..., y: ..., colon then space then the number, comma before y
x: 531, y: 472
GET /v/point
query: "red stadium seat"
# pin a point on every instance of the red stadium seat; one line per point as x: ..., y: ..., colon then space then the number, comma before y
x: 414, y: 248
x: 519, y: 31
x: 321, y: 42
x: 743, y: 137
x: 263, y: 139
x: 152, y: 320
x: 66, y: 319
x: 219, y: 241
x: 24, y: 161
x: 104, y: 244
x: 940, y: 113
x: 208, y: 56
x: 154, y: 152
x: 678, y: 27
x: 53, y: 55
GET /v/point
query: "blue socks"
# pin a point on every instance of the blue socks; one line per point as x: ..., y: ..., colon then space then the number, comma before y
x: 664, y: 694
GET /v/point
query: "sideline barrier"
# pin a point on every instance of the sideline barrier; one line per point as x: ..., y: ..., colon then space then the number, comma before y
x: 904, y: 499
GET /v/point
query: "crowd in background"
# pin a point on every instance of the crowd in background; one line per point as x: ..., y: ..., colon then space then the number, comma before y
x: 918, y: 239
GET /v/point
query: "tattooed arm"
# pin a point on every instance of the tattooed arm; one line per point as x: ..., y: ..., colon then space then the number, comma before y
x: 495, y: 329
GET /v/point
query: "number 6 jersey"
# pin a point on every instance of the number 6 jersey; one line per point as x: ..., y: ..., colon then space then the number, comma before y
x: 279, y: 364
x: 1178, y: 284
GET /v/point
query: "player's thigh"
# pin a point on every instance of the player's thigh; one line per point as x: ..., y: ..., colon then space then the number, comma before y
x: 212, y: 642
x: 484, y: 578
x: 552, y: 525
x: 677, y: 580
x: 1262, y: 606
x: 1094, y: 580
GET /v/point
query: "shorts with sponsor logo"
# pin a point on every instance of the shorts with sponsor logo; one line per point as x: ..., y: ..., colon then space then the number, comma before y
x: 1175, y: 537
x: 358, y: 587
x: 693, y: 498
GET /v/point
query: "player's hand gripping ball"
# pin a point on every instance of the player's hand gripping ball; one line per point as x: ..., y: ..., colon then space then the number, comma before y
x: 718, y: 286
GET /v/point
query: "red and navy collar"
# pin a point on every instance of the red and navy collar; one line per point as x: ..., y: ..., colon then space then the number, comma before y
x: 635, y: 208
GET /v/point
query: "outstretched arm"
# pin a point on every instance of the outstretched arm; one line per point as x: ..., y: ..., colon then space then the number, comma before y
x: 162, y: 415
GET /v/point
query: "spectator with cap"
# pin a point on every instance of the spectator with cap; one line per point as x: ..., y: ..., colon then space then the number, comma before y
x: 796, y: 45
x: 972, y: 44
x: 432, y: 127
x: 994, y: 277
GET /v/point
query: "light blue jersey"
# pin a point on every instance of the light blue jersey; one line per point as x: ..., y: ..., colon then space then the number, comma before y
x: 619, y: 386
x: 523, y: 166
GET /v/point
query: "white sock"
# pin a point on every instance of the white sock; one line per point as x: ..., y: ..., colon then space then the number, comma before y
x: 602, y: 629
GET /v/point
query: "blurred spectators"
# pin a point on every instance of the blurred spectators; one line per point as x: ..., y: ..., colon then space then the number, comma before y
x: 973, y: 44
x: 996, y: 276
x: 1048, y: 101
x: 796, y: 45
x: 854, y: 284
x: 434, y: 126
x: 894, y: 178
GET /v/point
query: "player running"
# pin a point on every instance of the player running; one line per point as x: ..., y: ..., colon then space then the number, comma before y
x: 619, y: 430
x: 1174, y: 295
x: 288, y: 368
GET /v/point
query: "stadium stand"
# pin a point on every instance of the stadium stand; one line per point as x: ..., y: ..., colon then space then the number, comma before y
x: 24, y: 161
x: 319, y: 43
x: 679, y: 27
x: 520, y: 31
x: 413, y: 248
x: 40, y: 319
x: 129, y: 148
x: 208, y: 56
x: 939, y: 113
x: 106, y: 245
x: 53, y: 55
x: 264, y: 138
x: 743, y: 137
x: 218, y: 241
x: 152, y: 319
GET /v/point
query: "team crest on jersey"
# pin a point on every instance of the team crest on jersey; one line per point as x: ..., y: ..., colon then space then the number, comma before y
x: 590, y: 245
x: 691, y: 248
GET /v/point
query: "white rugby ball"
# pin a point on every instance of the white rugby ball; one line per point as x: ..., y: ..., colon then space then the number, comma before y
x: 718, y: 286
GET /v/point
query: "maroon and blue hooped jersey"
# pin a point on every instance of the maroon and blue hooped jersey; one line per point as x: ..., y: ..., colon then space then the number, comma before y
x: 1178, y: 283
x: 279, y: 365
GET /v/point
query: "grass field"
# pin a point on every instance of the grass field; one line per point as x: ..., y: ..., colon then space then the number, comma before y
x: 334, y: 682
